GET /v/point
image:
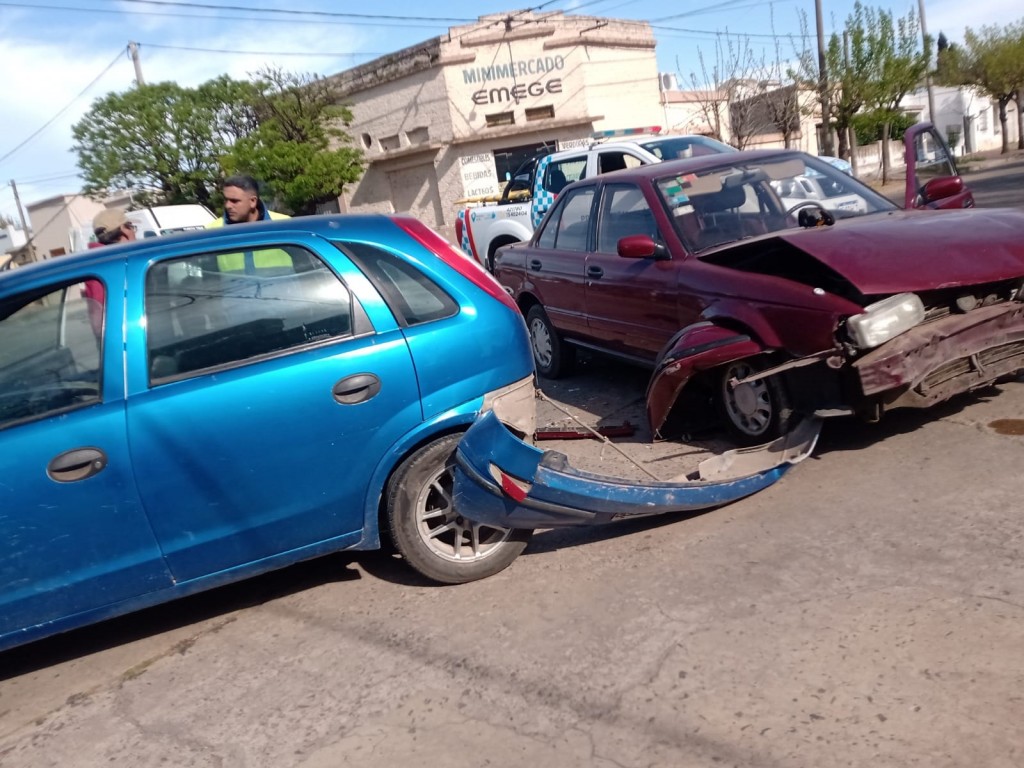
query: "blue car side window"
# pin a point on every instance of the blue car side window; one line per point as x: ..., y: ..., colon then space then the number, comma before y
x: 221, y: 309
x: 50, y: 352
x: 412, y: 297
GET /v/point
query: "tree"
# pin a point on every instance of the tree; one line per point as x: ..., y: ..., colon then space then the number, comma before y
x: 993, y: 60
x: 299, y: 149
x: 874, y: 64
x: 162, y: 141
x: 741, y: 96
x: 899, y: 63
x: 849, y: 70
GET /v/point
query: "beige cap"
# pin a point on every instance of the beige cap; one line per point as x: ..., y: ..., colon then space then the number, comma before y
x: 108, y: 221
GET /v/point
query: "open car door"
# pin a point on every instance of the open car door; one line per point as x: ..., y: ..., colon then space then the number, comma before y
x: 932, y: 177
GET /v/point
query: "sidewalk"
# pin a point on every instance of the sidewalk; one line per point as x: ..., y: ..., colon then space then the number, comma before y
x: 981, y: 161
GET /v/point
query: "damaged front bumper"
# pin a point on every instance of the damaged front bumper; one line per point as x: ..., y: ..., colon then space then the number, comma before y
x: 504, y: 482
x: 932, y: 362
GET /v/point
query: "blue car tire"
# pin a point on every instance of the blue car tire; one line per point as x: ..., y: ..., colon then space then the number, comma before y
x: 437, y: 542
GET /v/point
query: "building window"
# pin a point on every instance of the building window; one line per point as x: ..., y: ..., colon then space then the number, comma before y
x: 418, y: 136
x: 367, y: 140
x: 540, y: 113
x: 501, y: 118
x: 389, y: 143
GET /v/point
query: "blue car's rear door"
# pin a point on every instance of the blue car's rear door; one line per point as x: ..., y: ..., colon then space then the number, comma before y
x: 264, y: 392
x: 73, y: 535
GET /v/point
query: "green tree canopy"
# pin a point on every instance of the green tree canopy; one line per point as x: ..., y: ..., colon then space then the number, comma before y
x: 993, y: 60
x: 299, y: 149
x: 161, y: 141
x: 169, y: 144
x: 873, y: 64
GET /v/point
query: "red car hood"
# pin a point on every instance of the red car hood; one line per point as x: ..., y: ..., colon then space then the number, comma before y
x: 887, y: 253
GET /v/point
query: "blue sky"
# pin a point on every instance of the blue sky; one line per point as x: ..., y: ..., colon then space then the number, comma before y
x: 57, y: 56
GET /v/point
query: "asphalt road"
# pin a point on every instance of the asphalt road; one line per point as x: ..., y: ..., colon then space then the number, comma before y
x: 867, y: 610
x: 1000, y: 183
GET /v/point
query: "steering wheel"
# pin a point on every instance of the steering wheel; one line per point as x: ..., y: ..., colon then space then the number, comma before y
x: 823, y: 219
x: 804, y: 204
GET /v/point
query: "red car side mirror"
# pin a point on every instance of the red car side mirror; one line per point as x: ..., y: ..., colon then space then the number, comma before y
x: 941, y: 188
x: 641, y: 247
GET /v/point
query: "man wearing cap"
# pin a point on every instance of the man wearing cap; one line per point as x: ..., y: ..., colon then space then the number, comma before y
x: 112, y: 226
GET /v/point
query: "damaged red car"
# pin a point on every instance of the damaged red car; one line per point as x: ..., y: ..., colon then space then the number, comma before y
x: 765, y: 285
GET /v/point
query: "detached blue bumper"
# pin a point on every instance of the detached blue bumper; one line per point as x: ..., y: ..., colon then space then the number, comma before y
x: 502, y: 481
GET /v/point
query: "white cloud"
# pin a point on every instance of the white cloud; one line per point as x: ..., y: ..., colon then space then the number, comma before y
x: 42, y: 78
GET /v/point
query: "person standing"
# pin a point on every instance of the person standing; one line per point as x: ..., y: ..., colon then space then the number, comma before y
x: 242, y: 203
x: 112, y: 226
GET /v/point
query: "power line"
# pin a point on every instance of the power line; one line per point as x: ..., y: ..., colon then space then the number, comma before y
x: 262, y: 19
x: 65, y: 107
x: 264, y: 53
x: 294, y: 12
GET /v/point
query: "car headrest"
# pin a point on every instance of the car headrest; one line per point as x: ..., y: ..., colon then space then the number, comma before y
x: 723, y: 200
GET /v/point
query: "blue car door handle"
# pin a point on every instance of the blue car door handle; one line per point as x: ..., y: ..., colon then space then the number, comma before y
x: 76, y: 464
x: 357, y: 388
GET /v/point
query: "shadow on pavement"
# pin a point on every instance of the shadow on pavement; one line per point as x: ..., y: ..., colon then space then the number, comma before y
x: 176, y: 614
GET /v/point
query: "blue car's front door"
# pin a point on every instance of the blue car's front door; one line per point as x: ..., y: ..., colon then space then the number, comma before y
x: 261, y: 402
x: 73, y: 535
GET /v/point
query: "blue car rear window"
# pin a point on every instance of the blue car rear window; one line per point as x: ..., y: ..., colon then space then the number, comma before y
x: 412, y: 296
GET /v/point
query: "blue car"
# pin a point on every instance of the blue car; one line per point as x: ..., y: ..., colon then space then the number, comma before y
x: 183, y: 412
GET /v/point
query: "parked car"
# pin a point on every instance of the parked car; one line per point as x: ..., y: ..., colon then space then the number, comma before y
x: 481, y: 227
x: 756, y: 307
x: 170, y: 423
x: 158, y: 220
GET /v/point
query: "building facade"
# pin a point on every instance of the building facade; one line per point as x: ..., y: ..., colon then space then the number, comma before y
x: 449, y: 118
x: 966, y: 116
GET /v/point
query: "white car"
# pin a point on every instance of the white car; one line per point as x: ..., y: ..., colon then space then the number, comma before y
x: 813, y: 187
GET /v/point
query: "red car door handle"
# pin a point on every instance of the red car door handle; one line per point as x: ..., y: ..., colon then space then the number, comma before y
x: 595, y: 272
x: 535, y: 264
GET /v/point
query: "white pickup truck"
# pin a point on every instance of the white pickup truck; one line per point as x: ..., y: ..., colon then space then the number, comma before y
x: 483, y: 227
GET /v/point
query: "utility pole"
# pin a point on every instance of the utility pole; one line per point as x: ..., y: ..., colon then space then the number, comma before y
x: 24, y: 223
x: 928, y: 72
x: 133, y: 51
x: 826, y: 107
x: 851, y: 132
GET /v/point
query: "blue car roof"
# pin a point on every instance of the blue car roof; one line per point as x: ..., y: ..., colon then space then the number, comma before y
x: 330, y: 227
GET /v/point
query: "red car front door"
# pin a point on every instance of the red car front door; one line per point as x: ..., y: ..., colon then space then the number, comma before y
x: 932, y: 177
x: 634, y: 305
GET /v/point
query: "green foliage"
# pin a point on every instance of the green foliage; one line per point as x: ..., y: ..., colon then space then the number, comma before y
x: 874, y: 64
x: 299, y: 151
x: 170, y: 144
x: 991, y: 59
x: 871, y: 126
x: 162, y: 141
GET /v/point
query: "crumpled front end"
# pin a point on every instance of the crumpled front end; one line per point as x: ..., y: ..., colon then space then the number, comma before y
x: 935, y: 361
x: 502, y: 481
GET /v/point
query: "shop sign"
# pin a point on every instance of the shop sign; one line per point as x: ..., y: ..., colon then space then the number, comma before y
x: 478, y: 175
x: 537, y: 74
